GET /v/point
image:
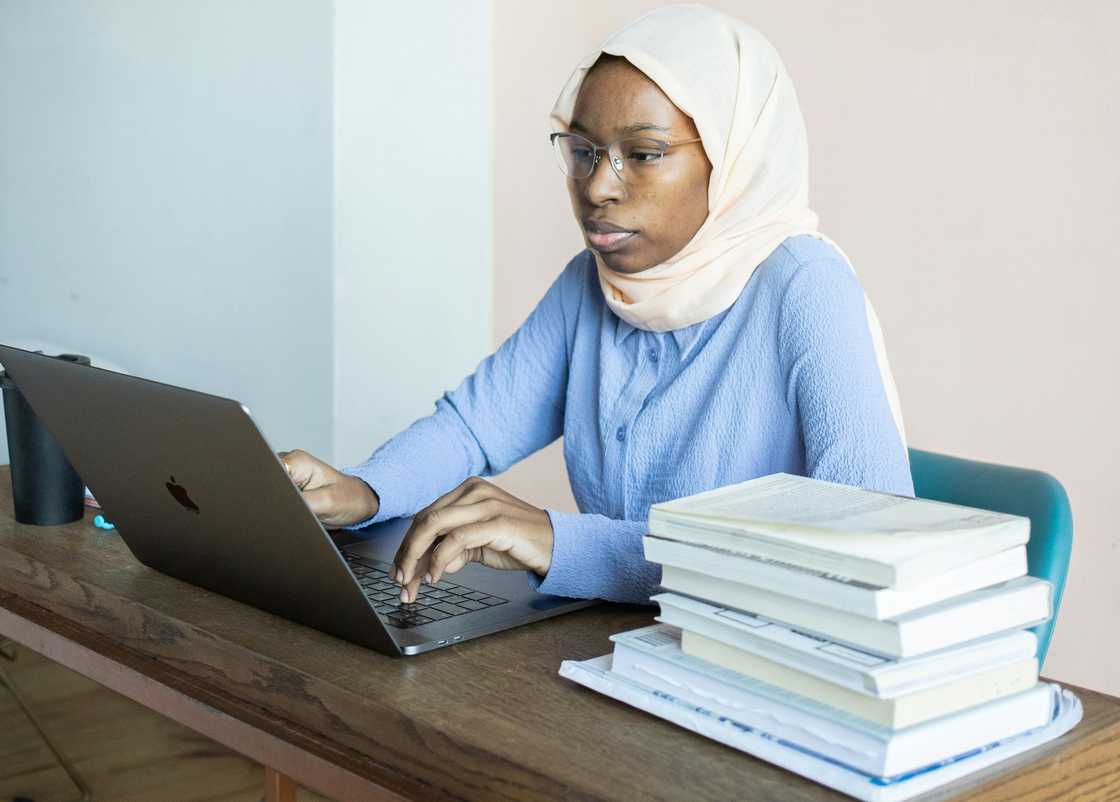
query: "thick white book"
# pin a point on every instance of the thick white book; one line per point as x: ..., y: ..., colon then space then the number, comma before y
x: 849, y: 595
x: 845, y: 665
x: 653, y: 656
x: 779, y: 736
x: 905, y: 710
x: 1009, y: 605
x: 878, y: 538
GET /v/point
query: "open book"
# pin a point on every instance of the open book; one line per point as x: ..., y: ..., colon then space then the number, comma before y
x: 878, y: 538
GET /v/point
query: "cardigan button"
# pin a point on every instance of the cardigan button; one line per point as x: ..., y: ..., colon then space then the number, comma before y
x: 621, y: 433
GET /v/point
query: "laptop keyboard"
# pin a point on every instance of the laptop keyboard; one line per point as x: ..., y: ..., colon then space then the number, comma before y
x: 435, y: 602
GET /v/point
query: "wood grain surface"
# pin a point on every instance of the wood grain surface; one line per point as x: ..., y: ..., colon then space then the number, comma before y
x: 488, y: 719
x: 125, y: 752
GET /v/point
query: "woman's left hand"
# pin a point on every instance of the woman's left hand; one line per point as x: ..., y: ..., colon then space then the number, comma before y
x: 475, y: 522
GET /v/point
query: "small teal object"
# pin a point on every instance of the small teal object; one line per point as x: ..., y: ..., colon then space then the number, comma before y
x: 100, y: 522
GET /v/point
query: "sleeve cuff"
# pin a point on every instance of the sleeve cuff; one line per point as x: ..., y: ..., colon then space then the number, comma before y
x: 569, y: 543
x: 595, y: 557
x: 389, y: 486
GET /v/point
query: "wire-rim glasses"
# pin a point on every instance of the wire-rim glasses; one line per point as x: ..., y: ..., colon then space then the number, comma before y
x: 631, y: 156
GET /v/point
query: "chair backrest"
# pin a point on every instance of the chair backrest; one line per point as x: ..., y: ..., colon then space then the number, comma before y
x: 1018, y: 491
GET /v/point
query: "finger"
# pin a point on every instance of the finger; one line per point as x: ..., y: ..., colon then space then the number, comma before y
x: 321, y: 501
x: 410, y: 590
x: 466, y: 543
x: 426, y: 527
x: 458, y: 562
x: 306, y: 471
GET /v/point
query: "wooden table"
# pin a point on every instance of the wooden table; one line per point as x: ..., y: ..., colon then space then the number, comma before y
x: 484, y: 720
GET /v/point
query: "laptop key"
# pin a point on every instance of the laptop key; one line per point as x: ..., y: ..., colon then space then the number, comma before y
x: 471, y: 604
x: 447, y: 607
x: 493, y: 601
x: 436, y: 614
x: 407, y: 618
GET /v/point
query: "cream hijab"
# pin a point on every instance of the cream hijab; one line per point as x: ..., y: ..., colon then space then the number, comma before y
x: 730, y: 81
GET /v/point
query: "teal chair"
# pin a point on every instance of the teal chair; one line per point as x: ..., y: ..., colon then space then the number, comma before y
x: 1017, y: 491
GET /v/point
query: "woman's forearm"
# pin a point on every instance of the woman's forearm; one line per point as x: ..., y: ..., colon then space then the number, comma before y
x: 420, y: 464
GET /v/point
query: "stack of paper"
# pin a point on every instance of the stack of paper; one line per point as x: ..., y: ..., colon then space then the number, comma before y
x: 883, y: 635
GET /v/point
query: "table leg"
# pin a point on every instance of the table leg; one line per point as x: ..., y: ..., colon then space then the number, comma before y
x: 278, y: 787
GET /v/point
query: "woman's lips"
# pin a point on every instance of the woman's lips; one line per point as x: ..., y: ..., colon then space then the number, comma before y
x: 605, y: 243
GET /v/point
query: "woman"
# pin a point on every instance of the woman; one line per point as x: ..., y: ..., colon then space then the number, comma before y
x: 708, y: 334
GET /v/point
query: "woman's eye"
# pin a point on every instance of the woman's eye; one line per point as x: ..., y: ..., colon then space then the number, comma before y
x: 581, y: 153
x: 645, y: 156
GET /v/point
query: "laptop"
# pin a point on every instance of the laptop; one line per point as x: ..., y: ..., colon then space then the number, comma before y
x: 196, y: 492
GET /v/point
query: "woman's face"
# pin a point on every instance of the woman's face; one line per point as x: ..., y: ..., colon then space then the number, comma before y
x: 670, y: 203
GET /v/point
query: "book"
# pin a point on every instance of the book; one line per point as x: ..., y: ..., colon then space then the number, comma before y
x: 836, y: 662
x: 878, y: 538
x: 652, y: 656
x: 853, y: 596
x: 782, y: 734
x: 1015, y: 604
x: 897, y: 712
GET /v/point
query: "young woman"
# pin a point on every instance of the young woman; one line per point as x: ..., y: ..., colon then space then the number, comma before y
x: 707, y: 335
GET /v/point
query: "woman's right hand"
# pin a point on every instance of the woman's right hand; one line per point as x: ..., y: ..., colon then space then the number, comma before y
x: 337, y: 499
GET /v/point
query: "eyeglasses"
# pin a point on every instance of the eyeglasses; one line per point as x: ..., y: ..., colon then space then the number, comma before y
x: 633, y: 158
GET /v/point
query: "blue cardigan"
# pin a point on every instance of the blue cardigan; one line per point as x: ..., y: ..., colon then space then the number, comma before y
x: 783, y: 380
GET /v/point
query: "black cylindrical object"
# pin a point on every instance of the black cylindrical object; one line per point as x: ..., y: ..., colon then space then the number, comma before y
x: 45, y: 487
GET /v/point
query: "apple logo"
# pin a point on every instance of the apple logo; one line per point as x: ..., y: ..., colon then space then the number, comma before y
x: 180, y: 494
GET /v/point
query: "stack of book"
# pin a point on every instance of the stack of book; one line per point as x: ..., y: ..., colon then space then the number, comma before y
x: 873, y: 642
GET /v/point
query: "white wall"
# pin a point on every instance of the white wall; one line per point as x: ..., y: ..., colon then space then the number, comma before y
x: 165, y: 196
x: 964, y: 155
x: 285, y: 202
x: 413, y: 173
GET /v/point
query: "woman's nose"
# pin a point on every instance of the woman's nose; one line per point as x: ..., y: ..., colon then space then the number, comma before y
x: 604, y: 184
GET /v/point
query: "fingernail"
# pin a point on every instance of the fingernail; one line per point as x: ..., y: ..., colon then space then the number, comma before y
x: 427, y: 579
x: 404, y: 595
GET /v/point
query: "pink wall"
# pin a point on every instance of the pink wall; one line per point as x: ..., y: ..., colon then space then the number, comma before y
x: 964, y: 156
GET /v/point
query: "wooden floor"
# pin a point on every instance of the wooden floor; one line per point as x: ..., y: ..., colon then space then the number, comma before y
x: 124, y: 752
